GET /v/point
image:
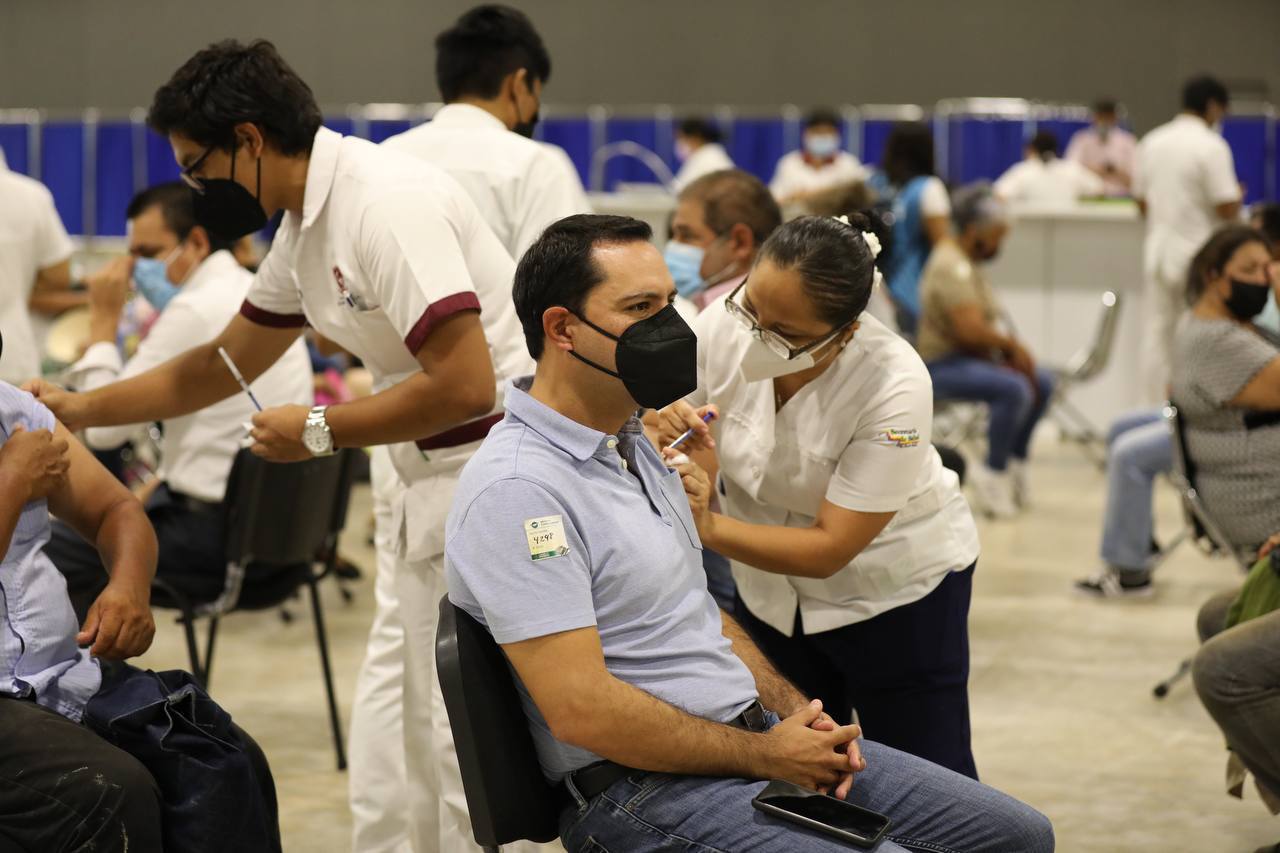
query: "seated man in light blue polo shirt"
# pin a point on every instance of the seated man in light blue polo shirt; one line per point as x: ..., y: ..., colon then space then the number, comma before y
x: 574, y: 544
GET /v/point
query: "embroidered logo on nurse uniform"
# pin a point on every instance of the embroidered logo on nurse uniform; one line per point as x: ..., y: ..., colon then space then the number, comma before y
x: 546, y: 537
x: 899, y: 437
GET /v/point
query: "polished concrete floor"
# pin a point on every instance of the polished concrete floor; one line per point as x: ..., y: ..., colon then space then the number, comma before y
x: 1063, y: 715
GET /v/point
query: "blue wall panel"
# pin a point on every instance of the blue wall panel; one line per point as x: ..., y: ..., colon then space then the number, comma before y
x: 1247, y: 136
x: 573, y: 134
x: 982, y: 148
x: 115, y: 180
x: 875, y: 133
x: 380, y: 129
x: 62, y: 170
x: 161, y: 166
x: 15, y: 142
x: 757, y: 144
x: 642, y: 131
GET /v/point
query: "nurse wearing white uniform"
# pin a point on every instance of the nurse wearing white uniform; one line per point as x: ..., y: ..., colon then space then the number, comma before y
x: 818, y: 165
x: 852, y: 547
x: 389, y: 258
x: 700, y: 152
x: 491, y: 66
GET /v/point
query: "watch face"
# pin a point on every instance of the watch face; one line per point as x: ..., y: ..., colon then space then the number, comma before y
x: 315, y: 438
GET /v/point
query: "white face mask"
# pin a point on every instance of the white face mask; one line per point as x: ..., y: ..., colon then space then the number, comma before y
x: 760, y: 362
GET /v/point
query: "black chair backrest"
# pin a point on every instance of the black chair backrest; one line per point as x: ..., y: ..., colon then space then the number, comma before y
x: 507, y: 795
x: 281, y: 513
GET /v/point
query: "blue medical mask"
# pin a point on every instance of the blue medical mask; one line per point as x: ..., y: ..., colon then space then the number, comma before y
x: 152, y: 281
x: 684, y: 262
x: 821, y: 145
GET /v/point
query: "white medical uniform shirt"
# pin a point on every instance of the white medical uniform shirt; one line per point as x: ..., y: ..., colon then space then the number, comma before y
x: 197, y: 449
x: 1057, y: 183
x: 858, y: 436
x: 710, y: 157
x: 521, y: 186
x: 31, y: 239
x: 794, y: 174
x: 1183, y: 171
x: 387, y: 247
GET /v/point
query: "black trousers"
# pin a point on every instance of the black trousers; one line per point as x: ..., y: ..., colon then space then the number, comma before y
x: 190, y: 558
x: 905, y: 671
x: 64, y: 788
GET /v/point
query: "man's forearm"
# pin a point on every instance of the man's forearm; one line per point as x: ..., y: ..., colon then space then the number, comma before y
x: 630, y: 727
x: 52, y: 303
x: 184, y: 384
x: 776, y: 692
x: 127, y: 544
x: 418, y: 407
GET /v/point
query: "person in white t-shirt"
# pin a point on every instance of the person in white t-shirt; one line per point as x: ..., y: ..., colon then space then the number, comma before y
x: 35, y: 271
x: 1043, y: 179
x: 1105, y: 149
x: 1185, y: 185
x: 700, y: 152
x: 387, y: 257
x: 819, y: 164
x: 197, y: 286
x: 853, y: 548
x: 491, y: 67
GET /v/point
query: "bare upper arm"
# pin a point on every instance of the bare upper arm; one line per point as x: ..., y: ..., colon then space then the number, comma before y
x: 1263, y: 390
x: 560, y: 671
x: 56, y: 277
x: 90, y: 491
x: 1229, y: 210
x: 457, y: 350
x: 936, y: 227
x: 850, y: 530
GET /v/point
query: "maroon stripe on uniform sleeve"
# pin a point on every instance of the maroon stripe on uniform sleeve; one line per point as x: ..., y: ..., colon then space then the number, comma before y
x: 437, y: 311
x: 270, y: 318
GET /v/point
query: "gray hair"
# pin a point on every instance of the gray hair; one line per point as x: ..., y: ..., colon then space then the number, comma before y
x: 976, y: 204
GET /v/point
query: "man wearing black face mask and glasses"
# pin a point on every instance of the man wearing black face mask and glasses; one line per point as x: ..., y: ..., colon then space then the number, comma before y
x: 387, y: 257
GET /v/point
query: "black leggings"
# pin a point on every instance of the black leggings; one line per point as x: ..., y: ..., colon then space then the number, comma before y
x: 906, y: 671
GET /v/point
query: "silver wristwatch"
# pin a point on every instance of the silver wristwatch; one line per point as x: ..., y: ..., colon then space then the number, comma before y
x: 316, y: 435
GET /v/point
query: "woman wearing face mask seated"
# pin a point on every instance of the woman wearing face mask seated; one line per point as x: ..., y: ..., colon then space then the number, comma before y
x: 1226, y: 385
x: 852, y: 547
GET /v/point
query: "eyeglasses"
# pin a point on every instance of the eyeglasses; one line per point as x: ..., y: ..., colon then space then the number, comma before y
x: 779, y: 345
x: 188, y: 176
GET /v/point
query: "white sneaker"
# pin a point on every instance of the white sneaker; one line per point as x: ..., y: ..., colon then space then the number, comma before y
x: 993, y: 492
x: 1018, y: 474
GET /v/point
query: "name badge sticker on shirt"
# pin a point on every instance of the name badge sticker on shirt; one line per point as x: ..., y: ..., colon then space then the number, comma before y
x: 546, y: 537
x: 893, y: 437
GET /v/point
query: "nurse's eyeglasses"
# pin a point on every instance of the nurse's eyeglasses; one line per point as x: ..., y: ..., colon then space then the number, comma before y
x: 779, y: 345
x: 187, y: 174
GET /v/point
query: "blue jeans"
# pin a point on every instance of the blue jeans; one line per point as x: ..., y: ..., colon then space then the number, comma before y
x: 1139, y: 448
x: 932, y: 809
x: 1014, y: 406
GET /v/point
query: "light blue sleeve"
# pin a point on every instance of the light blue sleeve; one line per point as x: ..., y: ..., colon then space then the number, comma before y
x: 19, y: 407
x: 493, y: 576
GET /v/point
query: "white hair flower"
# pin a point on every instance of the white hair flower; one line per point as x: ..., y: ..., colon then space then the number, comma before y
x: 844, y: 220
x: 873, y: 243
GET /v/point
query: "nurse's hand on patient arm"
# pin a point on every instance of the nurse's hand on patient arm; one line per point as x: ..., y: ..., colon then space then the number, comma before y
x: 34, y: 463
x: 277, y: 434
x: 697, y: 488
x: 679, y: 417
x: 67, y: 406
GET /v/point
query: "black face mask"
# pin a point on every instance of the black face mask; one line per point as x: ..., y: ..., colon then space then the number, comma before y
x: 657, y: 358
x: 986, y: 254
x: 526, y: 128
x: 1247, y: 298
x: 226, y: 209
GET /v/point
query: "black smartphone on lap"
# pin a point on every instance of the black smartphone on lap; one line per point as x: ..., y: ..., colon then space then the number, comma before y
x: 821, y: 813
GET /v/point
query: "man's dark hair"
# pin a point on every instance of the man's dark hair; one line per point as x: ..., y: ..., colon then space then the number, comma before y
x: 1215, y: 254
x: 730, y: 196
x: 1201, y: 91
x: 559, y: 268
x: 1105, y: 107
x: 700, y: 128
x: 176, y: 208
x: 1268, y: 216
x: 821, y: 117
x: 483, y: 47
x: 230, y: 83
x: 908, y: 152
x: 1045, y: 144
